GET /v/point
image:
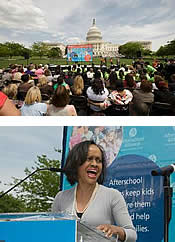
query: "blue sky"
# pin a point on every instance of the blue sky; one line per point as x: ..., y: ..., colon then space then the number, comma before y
x: 20, y: 146
x: 28, y: 21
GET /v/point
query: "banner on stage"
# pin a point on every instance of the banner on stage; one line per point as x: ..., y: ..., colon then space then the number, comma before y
x: 132, y: 153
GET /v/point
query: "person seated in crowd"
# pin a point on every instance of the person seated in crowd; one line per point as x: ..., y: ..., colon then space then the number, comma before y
x: 7, y: 108
x: 7, y: 75
x: 49, y: 76
x: 111, y: 80
x: 45, y: 88
x: 129, y: 82
x: 90, y: 201
x: 119, y: 96
x: 30, y: 71
x: 17, y: 75
x: 90, y: 73
x: 171, y: 84
x: 39, y: 72
x: 32, y: 104
x: 96, y: 93
x: 78, y: 86
x: 142, y: 95
x: 150, y: 69
x: 163, y: 94
x: 61, y: 81
x: 59, y: 105
x: 23, y: 87
x: 69, y: 80
x: 11, y: 91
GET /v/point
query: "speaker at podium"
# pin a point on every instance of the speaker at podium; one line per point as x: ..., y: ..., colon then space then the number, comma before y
x: 47, y: 227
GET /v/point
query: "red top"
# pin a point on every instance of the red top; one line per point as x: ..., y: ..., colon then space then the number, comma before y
x: 3, y: 98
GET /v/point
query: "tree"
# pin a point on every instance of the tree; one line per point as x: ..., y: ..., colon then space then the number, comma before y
x: 131, y: 49
x: 147, y: 52
x: 39, y: 190
x: 14, y: 49
x: 4, y: 51
x: 171, y: 47
x: 39, y: 49
x: 9, y: 203
x: 162, y: 51
x: 55, y: 53
x: 26, y: 53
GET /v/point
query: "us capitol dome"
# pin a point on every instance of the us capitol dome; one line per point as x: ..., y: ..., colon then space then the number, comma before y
x: 93, y: 33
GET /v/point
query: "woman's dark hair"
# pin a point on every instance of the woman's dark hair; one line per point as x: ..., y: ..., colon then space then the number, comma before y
x: 119, y: 85
x: 146, y: 86
x: 121, y: 74
x: 61, y: 97
x: 77, y: 156
x: 98, y: 87
x: 130, y: 80
x: 25, y: 77
x: 60, y: 79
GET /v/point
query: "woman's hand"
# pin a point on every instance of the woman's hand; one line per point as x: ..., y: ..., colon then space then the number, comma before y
x: 110, y: 230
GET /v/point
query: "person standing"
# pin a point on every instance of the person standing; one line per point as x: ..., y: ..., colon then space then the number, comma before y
x: 89, y: 200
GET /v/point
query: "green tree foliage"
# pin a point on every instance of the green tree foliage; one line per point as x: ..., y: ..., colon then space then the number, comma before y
x: 11, y: 49
x: 26, y: 53
x: 4, y: 51
x: 171, y: 47
x: 168, y: 49
x: 14, y: 49
x: 55, y: 53
x: 147, y: 52
x: 39, y: 190
x: 162, y: 51
x: 9, y: 203
x: 40, y: 49
x: 130, y: 49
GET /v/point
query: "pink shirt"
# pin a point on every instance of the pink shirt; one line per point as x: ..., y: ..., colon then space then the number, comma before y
x: 3, y: 98
x: 39, y: 72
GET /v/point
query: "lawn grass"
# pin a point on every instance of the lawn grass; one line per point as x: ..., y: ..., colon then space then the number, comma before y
x: 5, y: 62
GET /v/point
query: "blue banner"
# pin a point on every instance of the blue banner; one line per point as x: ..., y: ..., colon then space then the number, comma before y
x: 78, y: 53
x: 132, y: 153
x: 51, y: 230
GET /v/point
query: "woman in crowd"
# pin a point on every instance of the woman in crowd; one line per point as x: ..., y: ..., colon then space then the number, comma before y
x: 49, y: 77
x: 93, y: 203
x: 129, y: 82
x: 46, y: 90
x: 78, y: 86
x: 32, y: 104
x: 142, y: 95
x: 119, y: 96
x: 11, y: 91
x: 7, y: 108
x: 97, y: 93
x: 162, y: 94
x: 60, y: 103
x: 61, y: 81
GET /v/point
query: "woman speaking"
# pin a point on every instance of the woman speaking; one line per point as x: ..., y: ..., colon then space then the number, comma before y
x: 89, y: 200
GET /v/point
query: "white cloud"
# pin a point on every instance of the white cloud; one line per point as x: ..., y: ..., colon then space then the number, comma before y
x: 68, y: 21
x: 21, y: 14
x: 73, y: 40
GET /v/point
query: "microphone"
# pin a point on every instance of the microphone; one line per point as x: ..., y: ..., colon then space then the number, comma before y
x: 53, y: 169
x: 56, y: 169
x: 164, y: 171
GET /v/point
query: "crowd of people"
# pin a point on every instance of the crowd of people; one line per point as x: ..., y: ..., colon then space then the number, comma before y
x: 37, y: 90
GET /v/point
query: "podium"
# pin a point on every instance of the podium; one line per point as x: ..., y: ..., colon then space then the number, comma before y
x: 47, y: 227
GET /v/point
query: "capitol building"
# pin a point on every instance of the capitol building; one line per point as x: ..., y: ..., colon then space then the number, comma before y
x: 100, y: 47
